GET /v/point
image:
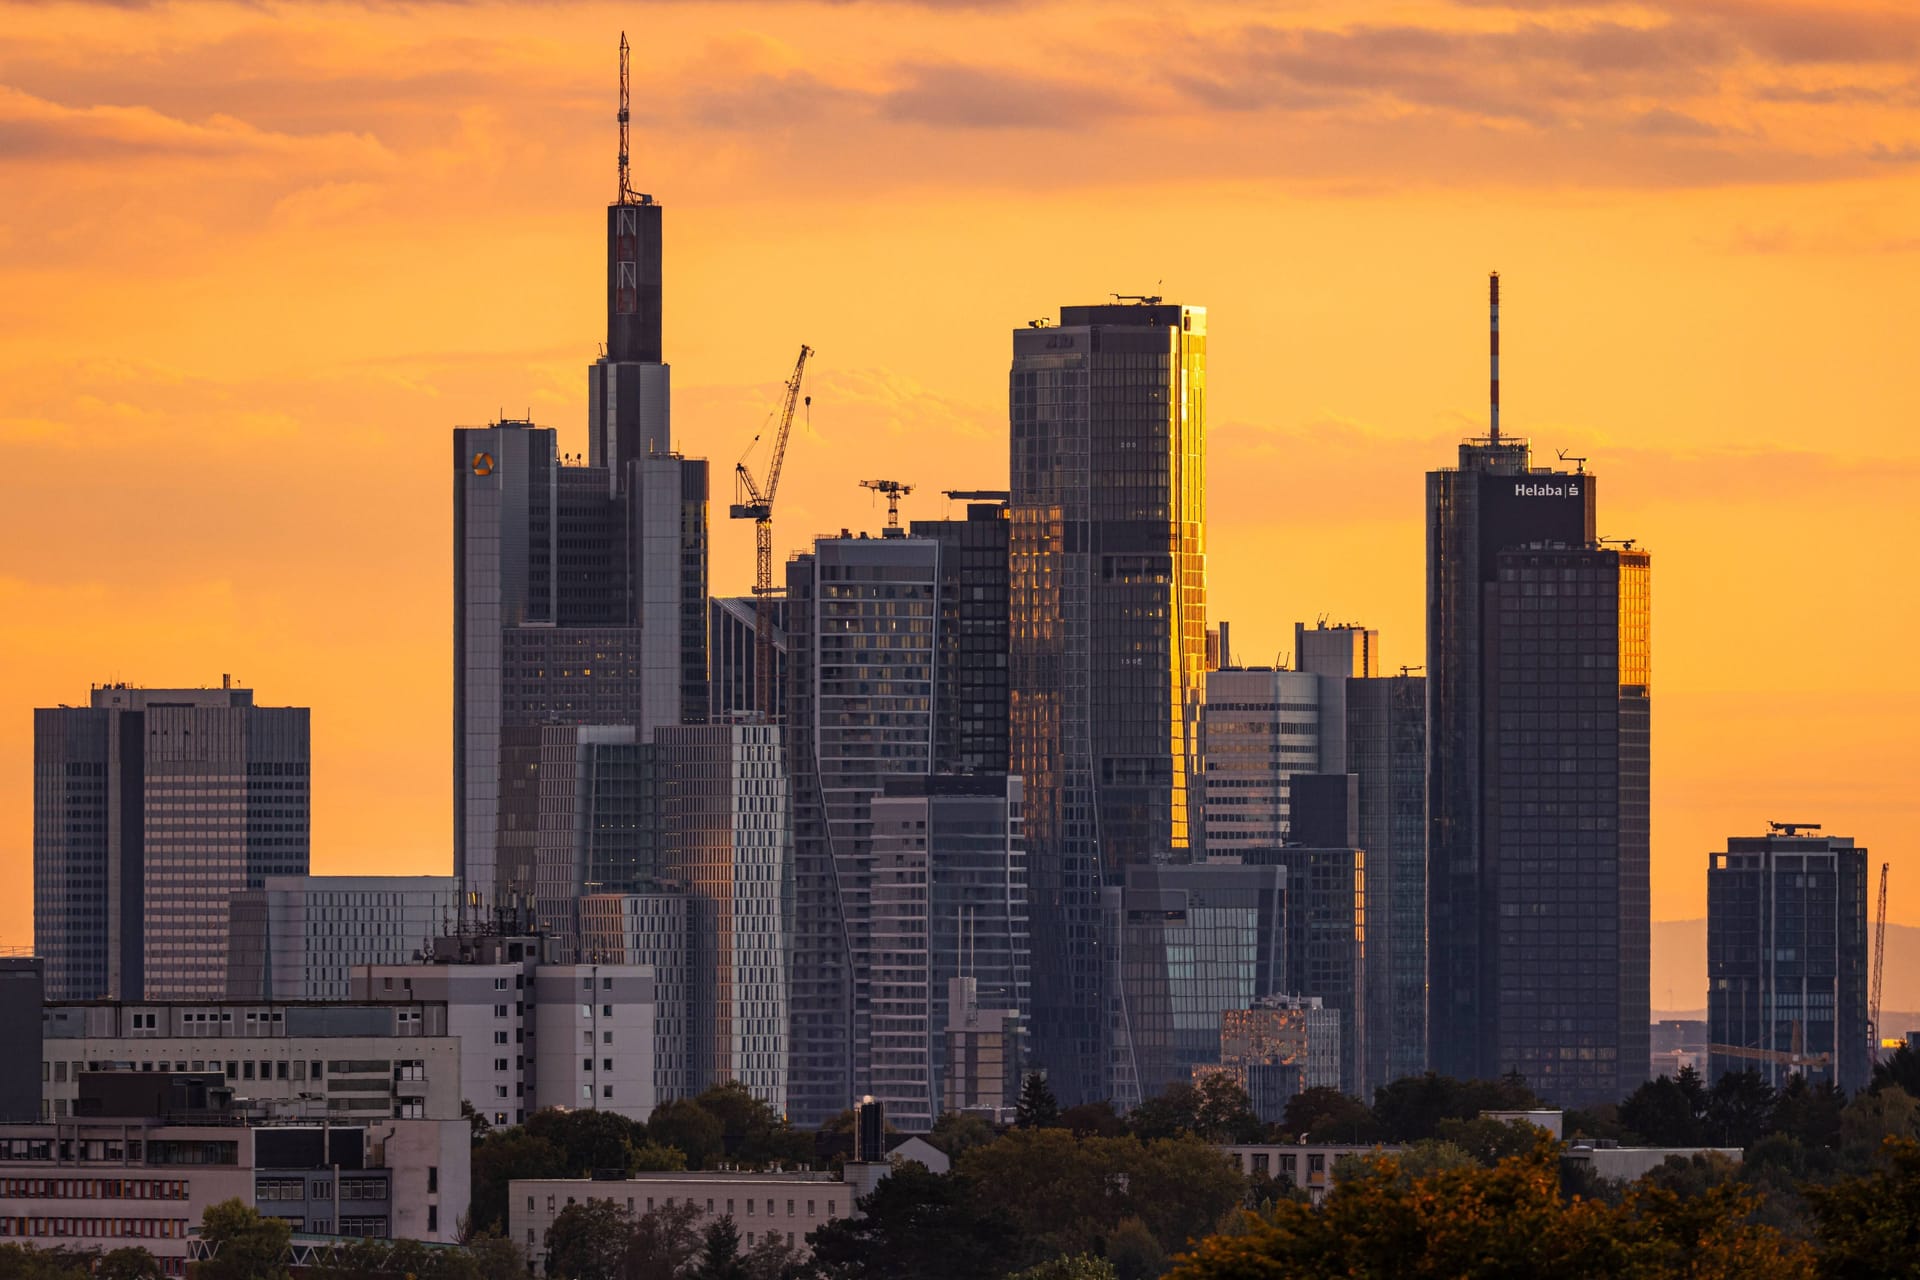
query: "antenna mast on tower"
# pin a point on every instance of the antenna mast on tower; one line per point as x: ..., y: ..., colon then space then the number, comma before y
x: 1493, y: 281
x: 627, y: 194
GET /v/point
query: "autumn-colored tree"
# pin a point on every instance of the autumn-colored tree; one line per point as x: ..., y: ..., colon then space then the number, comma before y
x: 1869, y: 1226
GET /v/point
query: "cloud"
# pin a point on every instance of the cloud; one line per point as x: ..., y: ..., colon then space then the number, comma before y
x: 1662, y: 123
x: 35, y: 129
x: 950, y: 95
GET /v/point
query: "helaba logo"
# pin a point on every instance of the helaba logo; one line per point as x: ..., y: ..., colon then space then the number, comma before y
x: 1533, y: 489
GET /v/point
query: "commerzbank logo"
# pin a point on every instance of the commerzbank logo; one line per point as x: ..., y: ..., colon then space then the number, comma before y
x: 1542, y: 489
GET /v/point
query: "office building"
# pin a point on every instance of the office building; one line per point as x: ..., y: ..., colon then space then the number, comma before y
x: 788, y: 1205
x: 22, y: 989
x: 1326, y: 935
x: 971, y: 705
x: 732, y: 623
x: 862, y: 619
x: 727, y: 836
x: 149, y: 1154
x: 1338, y: 654
x: 1787, y: 960
x: 654, y: 929
x: 1260, y: 727
x: 1565, y: 813
x: 151, y: 807
x: 1107, y: 597
x: 534, y: 1033
x: 1279, y: 1048
x: 300, y: 937
x: 352, y: 1062
x: 984, y: 1054
x: 572, y: 585
x: 948, y: 901
x: 1387, y: 758
x: 1537, y: 773
x: 1187, y: 943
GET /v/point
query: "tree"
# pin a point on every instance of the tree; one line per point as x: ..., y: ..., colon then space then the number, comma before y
x: 1093, y: 1120
x: 664, y: 1242
x: 20, y: 1262
x: 958, y: 1131
x: 651, y: 1157
x: 1079, y: 1267
x: 1866, y: 1226
x: 685, y: 1124
x: 1739, y: 1109
x: 1488, y: 1141
x: 751, y: 1131
x: 1174, y: 1110
x: 774, y: 1259
x: 504, y: 1155
x: 1898, y: 1070
x: 1810, y: 1114
x: 720, y: 1252
x: 1037, y: 1109
x: 1870, y: 1119
x: 1328, y: 1115
x: 244, y: 1245
x: 1225, y: 1112
x: 1667, y: 1112
x: 1412, y: 1107
x: 915, y: 1224
x: 590, y: 1241
x: 589, y: 1139
x: 1133, y: 1251
x: 128, y: 1263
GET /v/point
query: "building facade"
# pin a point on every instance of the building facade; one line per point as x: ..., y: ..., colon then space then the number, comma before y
x: 1107, y: 597
x: 1326, y: 942
x: 948, y: 901
x: 728, y: 838
x: 972, y: 699
x: 655, y: 929
x: 1187, y: 943
x: 1279, y: 1048
x: 151, y: 807
x: 300, y: 937
x: 1787, y: 960
x: 732, y: 623
x: 1260, y: 727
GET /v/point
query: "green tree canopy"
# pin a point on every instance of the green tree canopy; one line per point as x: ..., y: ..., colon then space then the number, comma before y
x: 916, y: 1224
x: 506, y: 1154
x: 1868, y: 1226
x: 1328, y: 1115
x: 245, y: 1246
x: 1037, y: 1108
x: 590, y: 1241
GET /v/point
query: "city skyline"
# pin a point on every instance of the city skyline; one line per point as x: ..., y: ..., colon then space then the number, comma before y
x: 1359, y: 475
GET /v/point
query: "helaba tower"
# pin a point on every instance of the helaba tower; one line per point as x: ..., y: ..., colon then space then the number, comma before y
x: 1538, y: 721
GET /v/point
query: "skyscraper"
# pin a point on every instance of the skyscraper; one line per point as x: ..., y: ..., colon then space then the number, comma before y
x: 300, y: 937
x: 151, y: 807
x: 1259, y: 728
x: 580, y: 585
x: 862, y: 619
x: 1107, y: 595
x: 1787, y: 957
x: 970, y: 718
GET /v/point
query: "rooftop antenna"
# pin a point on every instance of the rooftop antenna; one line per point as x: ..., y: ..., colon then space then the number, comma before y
x: 627, y: 194
x: 1493, y: 302
x: 1580, y: 463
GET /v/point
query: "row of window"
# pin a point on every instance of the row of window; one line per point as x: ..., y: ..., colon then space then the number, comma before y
x: 92, y: 1189
x: 96, y: 1228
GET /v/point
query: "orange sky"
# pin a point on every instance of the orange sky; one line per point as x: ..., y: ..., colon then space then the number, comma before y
x: 257, y: 259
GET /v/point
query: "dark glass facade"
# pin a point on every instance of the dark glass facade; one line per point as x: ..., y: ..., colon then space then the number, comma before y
x: 1387, y: 755
x: 730, y: 629
x: 1787, y: 958
x: 1107, y: 416
x: 1493, y: 500
x: 1326, y: 931
x: 970, y: 713
x: 1565, y: 818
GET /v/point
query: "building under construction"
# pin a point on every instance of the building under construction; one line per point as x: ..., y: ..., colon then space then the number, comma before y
x: 1787, y: 958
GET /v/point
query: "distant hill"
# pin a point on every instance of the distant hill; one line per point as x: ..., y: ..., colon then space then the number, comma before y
x: 1680, y: 973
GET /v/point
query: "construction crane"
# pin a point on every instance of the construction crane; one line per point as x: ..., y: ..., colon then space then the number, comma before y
x: 894, y: 491
x: 978, y: 495
x: 753, y: 500
x: 1879, y: 963
x: 1797, y: 1058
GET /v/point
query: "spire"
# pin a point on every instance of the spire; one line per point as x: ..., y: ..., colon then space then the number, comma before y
x: 627, y: 194
x: 1493, y: 297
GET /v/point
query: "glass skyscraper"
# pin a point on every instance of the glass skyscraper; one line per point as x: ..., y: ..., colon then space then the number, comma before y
x: 1107, y: 596
x: 1787, y: 957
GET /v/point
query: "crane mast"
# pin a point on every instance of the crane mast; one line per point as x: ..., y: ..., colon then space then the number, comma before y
x: 753, y: 500
x: 1879, y: 960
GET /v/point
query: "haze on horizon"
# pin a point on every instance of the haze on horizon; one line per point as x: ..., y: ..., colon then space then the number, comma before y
x: 259, y: 259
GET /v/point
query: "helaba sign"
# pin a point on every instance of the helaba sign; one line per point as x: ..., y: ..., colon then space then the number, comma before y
x: 1546, y: 489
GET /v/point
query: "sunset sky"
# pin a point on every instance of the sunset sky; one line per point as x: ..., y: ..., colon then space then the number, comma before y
x: 256, y: 260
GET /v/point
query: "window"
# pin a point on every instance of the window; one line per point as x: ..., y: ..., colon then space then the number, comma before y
x: 606, y: 984
x: 433, y: 1180
x: 606, y: 1064
x: 433, y: 1217
x: 606, y: 1037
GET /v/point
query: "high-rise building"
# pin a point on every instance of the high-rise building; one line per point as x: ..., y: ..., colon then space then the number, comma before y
x: 656, y: 929
x: 1279, y: 1048
x: 151, y: 807
x: 1787, y: 957
x: 728, y: 838
x: 1536, y: 777
x: 1337, y: 654
x: 300, y: 937
x: 1186, y: 943
x: 1326, y: 941
x: 580, y: 584
x: 1260, y: 727
x: 1387, y: 756
x: 971, y: 702
x: 731, y: 629
x: 22, y: 992
x: 948, y: 901
x: 1107, y: 595
x: 862, y: 620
